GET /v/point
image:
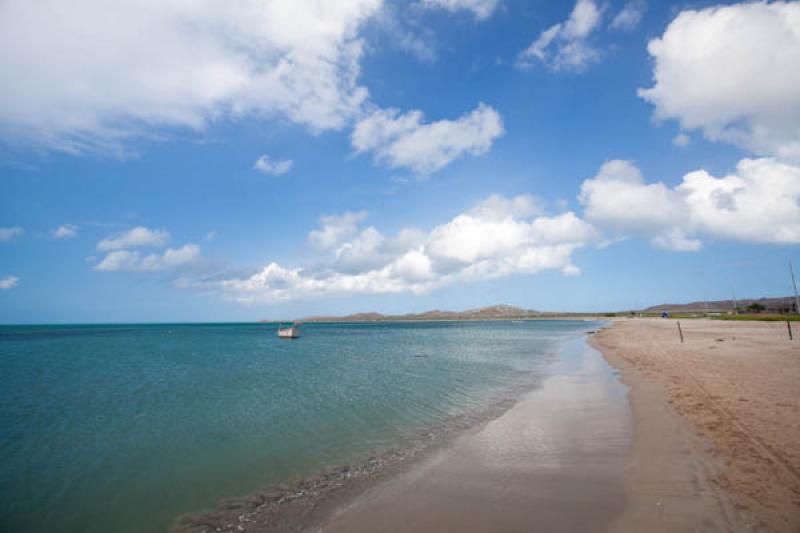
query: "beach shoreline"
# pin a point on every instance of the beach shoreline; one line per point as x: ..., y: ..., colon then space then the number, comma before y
x: 716, y: 424
x: 641, y: 433
x: 306, y: 504
x: 554, y: 460
x: 339, y: 496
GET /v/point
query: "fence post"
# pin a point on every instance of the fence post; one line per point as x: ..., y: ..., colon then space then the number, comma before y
x: 789, y: 327
x: 680, y: 331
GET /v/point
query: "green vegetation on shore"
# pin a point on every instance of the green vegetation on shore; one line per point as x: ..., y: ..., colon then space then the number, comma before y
x: 760, y: 317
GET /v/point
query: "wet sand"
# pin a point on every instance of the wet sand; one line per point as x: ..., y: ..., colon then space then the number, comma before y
x: 717, y: 424
x: 553, y: 462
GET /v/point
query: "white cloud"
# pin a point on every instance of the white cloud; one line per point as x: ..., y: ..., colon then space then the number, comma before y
x: 8, y: 282
x: 6, y: 234
x: 497, y: 207
x: 402, y: 140
x: 759, y: 203
x: 370, y: 249
x: 96, y: 74
x: 482, y: 9
x: 336, y: 229
x: 276, y: 168
x: 564, y: 46
x: 134, y: 261
x: 497, y: 238
x: 629, y: 17
x: 618, y: 199
x: 134, y: 238
x: 681, y: 140
x: 733, y: 73
x: 66, y: 231
x: 404, y: 33
x: 501, y: 236
x: 675, y: 239
x: 508, y: 244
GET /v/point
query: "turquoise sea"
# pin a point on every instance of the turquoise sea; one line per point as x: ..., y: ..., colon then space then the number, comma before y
x: 125, y: 427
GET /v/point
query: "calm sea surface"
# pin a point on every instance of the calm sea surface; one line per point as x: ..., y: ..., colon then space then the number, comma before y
x: 123, y: 428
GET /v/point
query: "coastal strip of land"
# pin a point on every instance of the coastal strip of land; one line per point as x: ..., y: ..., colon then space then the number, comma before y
x: 717, y: 424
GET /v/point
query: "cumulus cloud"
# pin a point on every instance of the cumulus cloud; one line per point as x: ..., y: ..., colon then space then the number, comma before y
x: 276, y: 168
x: 564, y: 46
x: 629, y: 17
x: 6, y: 234
x: 403, y: 140
x: 8, y: 282
x: 66, y: 231
x: 732, y: 72
x: 759, y: 203
x: 681, y: 140
x: 502, y: 236
x: 481, y: 9
x: 336, y: 229
x: 619, y: 199
x: 498, y: 206
x: 404, y: 33
x: 499, y: 237
x: 94, y: 75
x: 134, y: 238
x: 677, y: 240
x: 135, y: 261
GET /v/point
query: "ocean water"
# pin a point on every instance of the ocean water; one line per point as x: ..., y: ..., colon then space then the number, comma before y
x: 123, y: 428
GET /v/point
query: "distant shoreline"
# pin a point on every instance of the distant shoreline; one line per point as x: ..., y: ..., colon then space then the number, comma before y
x: 343, y: 320
x: 494, y: 312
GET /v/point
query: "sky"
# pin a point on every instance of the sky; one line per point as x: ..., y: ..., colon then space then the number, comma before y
x: 172, y: 160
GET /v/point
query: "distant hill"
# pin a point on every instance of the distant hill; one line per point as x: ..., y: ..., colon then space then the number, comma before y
x: 772, y: 305
x: 494, y: 312
x: 509, y: 312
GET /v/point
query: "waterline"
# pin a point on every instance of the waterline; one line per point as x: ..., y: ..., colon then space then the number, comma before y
x: 127, y: 427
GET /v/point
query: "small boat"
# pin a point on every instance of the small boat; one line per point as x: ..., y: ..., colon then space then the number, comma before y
x: 292, y: 332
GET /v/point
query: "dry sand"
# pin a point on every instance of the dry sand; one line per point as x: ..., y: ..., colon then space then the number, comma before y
x: 717, y: 424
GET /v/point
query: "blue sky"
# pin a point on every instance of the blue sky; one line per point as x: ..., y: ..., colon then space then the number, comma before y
x: 191, y: 161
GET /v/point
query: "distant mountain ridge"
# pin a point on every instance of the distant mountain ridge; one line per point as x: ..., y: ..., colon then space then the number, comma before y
x: 781, y: 304
x: 493, y: 312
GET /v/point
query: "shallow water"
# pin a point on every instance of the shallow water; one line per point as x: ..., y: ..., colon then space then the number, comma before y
x: 124, y: 428
x: 553, y: 462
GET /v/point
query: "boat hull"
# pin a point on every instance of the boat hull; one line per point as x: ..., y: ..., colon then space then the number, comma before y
x: 289, y: 333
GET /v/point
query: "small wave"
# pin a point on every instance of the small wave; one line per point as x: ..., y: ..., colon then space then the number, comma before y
x: 298, y: 504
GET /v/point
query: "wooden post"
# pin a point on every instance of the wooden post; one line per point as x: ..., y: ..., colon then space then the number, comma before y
x: 789, y: 327
x: 680, y: 331
x: 794, y: 285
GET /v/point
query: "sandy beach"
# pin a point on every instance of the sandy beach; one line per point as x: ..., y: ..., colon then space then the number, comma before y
x: 707, y: 441
x: 717, y: 424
